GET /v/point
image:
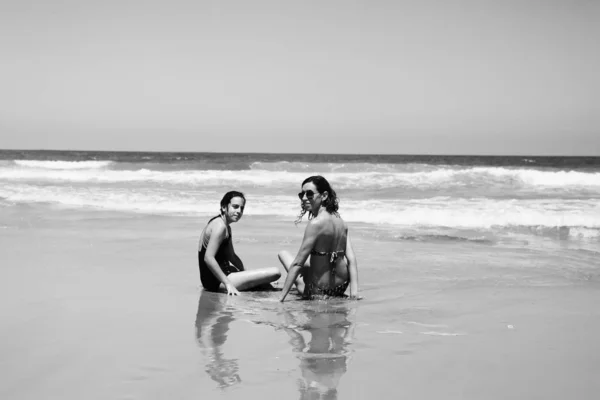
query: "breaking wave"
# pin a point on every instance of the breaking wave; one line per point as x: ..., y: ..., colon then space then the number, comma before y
x: 68, y: 165
x: 278, y: 175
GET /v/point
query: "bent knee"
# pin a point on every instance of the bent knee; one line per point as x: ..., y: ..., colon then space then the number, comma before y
x: 275, y: 272
x: 283, y: 254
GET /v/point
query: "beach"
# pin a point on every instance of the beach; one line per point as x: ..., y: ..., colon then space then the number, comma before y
x: 101, y: 299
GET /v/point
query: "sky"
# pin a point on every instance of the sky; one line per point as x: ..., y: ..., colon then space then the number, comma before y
x: 383, y: 77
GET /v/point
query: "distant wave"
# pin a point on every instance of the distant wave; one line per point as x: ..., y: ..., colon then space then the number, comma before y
x: 68, y: 165
x: 339, y: 167
x: 189, y: 178
x: 441, y: 237
x: 480, y: 177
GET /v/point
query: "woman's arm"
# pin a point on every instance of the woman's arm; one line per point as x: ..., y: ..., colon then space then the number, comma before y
x: 310, y: 236
x: 233, y: 258
x: 217, y: 236
x: 352, y: 268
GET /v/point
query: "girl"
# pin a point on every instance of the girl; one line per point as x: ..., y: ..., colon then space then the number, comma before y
x: 220, y: 268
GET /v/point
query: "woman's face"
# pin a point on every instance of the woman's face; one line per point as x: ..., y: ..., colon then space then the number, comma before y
x: 311, y: 199
x: 235, y: 209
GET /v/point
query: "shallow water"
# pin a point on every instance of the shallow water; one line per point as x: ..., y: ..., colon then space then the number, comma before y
x: 100, y: 304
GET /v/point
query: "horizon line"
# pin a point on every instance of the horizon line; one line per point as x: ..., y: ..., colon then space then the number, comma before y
x: 300, y: 154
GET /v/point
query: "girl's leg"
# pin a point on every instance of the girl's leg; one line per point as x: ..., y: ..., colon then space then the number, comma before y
x: 245, y: 280
x: 286, y: 259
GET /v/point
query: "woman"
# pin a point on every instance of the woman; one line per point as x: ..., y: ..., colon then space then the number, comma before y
x: 220, y: 267
x: 332, y: 267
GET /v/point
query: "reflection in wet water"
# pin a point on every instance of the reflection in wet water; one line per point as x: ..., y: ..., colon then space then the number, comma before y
x: 212, y: 325
x: 320, y: 335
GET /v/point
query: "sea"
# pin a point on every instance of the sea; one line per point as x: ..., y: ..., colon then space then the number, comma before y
x: 479, y: 278
x: 498, y: 200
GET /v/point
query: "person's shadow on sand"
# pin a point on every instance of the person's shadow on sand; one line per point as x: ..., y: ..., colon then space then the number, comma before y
x: 323, y: 361
x: 212, y: 325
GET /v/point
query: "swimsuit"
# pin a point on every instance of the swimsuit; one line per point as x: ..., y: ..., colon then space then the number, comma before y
x: 209, y: 281
x: 311, y: 289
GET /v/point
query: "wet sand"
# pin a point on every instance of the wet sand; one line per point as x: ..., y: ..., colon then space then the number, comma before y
x: 101, y: 305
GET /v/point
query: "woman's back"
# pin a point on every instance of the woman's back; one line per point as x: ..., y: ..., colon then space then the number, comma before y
x: 328, y: 266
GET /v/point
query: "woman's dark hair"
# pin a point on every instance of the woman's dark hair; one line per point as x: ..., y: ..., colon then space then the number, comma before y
x: 230, y: 195
x: 322, y: 185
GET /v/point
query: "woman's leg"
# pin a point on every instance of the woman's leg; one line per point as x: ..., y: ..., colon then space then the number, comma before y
x: 245, y: 280
x: 286, y: 259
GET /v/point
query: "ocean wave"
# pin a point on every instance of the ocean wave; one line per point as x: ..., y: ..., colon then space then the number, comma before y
x: 279, y: 176
x: 444, y: 238
x: 187, y: 178
x: 157, y: 201
x: 414, y: 174
x: 585, y: 233
x: 62, y: 165
x: 544, y: 178
x: 478, y: 213
x: 348, y: 168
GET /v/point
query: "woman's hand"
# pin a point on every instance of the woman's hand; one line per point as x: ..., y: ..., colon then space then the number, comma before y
x: 231, y: 290
x: 293, y: 273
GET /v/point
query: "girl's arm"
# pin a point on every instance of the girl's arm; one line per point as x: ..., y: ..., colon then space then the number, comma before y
x: 217, y: 236
x: 233, y: 258
x: 352, y: 268
x: 310, y: 236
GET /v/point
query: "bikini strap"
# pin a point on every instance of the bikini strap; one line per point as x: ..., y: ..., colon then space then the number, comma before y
x: 334, y: 254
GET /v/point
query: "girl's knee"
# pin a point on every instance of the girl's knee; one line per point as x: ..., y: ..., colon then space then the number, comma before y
x: 275, y: 272
x: 282, y: 255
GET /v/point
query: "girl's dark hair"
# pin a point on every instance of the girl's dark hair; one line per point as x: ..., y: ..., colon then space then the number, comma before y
x: 230, y: 195
x: 322, y: 185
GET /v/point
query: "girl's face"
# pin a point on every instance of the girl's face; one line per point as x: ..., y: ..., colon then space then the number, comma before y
x: 234, y: 210
x: 310, y: 197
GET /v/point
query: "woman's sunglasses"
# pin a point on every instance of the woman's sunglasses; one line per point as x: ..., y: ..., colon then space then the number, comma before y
x: 309, y: 195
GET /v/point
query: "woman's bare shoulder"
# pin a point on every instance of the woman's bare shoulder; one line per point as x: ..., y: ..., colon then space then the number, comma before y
x: 316, y: 223
x: 318, y: 226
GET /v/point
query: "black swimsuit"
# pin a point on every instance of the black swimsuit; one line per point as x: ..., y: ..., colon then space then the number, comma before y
x: 209, y: 281
x: 312, y: 289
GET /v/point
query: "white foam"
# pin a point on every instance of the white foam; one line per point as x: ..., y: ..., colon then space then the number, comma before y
x: 545, y: 178
x: 584, y: 233
x: 583, y: 216
x: 187, y: 178
x: 426, y: 325
x: 135, y: 200
x: 63, y: 164
x: 440, y: 178
x: 326, y: 168
x: 479, y: 213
